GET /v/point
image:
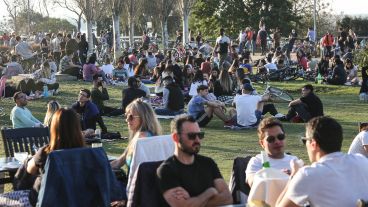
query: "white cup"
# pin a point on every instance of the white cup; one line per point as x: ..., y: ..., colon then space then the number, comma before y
x: 95, y: 145
x: 98, y: 133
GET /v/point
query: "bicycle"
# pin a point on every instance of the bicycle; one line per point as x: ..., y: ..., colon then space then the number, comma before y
x: 277, y: 95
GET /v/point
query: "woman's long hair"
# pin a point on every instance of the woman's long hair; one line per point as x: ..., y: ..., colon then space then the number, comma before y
x: 52, y: 107
x: 149, y: 121
x: 225, y: 81
x: 65, y: 131
x: 140, y: 69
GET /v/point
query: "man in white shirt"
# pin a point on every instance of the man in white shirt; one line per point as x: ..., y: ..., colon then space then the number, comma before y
x: 334, y: 178
x: 272, y: 140
x: 224, y: 44
x: 248, y: 107
x: 25, y: 51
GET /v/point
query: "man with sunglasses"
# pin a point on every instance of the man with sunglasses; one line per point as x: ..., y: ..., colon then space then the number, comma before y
x: 334, y: 178
x: 189, y: 179
x: 272, y: 140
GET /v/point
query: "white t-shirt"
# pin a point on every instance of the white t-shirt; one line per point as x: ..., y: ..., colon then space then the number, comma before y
x: 22, y: 49
x: 337, y: 179
x: 108, y: 69
x: 223, y: 39
x: 357, y: 145
x: 194, y: 86
x: 270, y: 67
x: 246, y: 106
x: 151, y: 62
x: 255, y: 164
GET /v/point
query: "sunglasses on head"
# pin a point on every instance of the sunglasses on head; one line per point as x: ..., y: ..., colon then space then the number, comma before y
x: 272, y: 139
x: 130, y: 117
x: 193, y: 135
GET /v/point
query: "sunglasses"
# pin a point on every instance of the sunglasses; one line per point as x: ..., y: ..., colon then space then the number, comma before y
x: 130, y: 117
x: 304, y: 140
x: 193, y: 135
x: 272, y: 139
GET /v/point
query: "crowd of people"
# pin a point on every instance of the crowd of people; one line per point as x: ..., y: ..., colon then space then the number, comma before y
x: 208, y: 86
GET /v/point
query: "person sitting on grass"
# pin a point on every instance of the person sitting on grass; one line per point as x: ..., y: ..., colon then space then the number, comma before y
x: 131, y: 93
x: 67, y: 66
x: 305, y: 107
x: 271, y: 136
x: 196, y: 108
x: 173, y: 98
x: 20, y: 115
x: 99, y: 96
x: 88, y: 113
x: 248, y: 107
x: 338, y: 76
x: 120, y: 73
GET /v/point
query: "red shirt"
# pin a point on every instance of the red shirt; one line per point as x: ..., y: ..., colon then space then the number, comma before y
x: 206, y: 67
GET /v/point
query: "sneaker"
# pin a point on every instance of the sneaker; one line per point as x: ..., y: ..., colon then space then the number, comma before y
x: 228, y: 123
x: 282, y: 118
x: 279, y: 115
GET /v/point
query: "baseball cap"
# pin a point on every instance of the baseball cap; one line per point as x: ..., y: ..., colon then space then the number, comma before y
x: 248, y: 87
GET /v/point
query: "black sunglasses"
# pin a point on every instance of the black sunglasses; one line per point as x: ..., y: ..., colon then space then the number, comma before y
x: 193, y: 135
x: 272, y: 139
x: 304, y: 140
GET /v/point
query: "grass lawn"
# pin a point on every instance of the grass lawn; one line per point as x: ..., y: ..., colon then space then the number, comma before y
x: 223, y: 145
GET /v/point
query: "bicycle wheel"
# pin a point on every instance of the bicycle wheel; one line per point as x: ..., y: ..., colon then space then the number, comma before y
x: 280, y: 94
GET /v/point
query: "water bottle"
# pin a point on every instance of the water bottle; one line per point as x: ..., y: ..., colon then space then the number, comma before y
x: 45, y: 91
x: 265, y: 160
x: 319, y: 78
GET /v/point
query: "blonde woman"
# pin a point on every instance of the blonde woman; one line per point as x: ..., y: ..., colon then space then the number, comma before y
x: 142, y: 123
x: 52, y: 107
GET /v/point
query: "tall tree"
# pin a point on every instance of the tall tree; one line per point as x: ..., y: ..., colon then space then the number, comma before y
x: 186, y: 6
x: 164, y: 8
x: 133, y: 8
x: 74, y: 7
x: 117, y: 7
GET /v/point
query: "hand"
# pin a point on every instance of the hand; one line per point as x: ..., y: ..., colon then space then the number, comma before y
x: 181, y: 194
x: 295, y: 165
x: 103, y: 84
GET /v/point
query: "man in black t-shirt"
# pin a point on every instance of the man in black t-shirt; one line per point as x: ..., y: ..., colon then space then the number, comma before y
x: 306, y: 107
x: 189, y: 179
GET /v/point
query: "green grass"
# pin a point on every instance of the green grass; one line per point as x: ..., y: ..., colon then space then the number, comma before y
x: 223, y: 145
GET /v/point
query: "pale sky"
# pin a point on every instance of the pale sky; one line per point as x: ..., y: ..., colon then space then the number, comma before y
x: 349, y: 7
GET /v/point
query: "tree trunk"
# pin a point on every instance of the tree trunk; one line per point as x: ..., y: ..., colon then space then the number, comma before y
x: 165, y: 34
x: 79, y: 23
x: 185, y: 26
x: 131, y: 32
x: 116, y: 27
x: 89, y: 35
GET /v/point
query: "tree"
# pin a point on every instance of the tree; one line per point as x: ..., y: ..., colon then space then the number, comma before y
x: 186, y: 6
x: 205, y: 17
x: 164, y: 8
x: 134, y: 7
x: 74, y: 7
x: 116, y: 8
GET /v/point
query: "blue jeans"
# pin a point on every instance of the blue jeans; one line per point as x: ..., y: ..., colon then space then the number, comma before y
x: 168, y: 112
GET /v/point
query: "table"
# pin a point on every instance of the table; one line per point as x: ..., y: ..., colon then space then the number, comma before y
x: 10, y: 166
x: 267, y: 185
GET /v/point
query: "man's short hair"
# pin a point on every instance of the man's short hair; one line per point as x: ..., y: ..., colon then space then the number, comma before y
x: 88, y: 92
x: 309, y: 87
x: 268, y: 123
x: 17, y: 38
x: 178, y: 121
x: 69, y: 36
x: 201, y: 87
x: 327, y: 132
x: 16, y: 94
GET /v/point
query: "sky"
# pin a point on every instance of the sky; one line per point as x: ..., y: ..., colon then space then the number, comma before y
x: 353, y: 7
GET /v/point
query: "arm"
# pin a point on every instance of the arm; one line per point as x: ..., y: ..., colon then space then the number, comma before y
x: 178, y: 197
x: 104, y: 94
x: 118, y: 163
x: 223, y: 197
x: 295, y: 102
x: 28, y: 120
x: 31, y: 167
